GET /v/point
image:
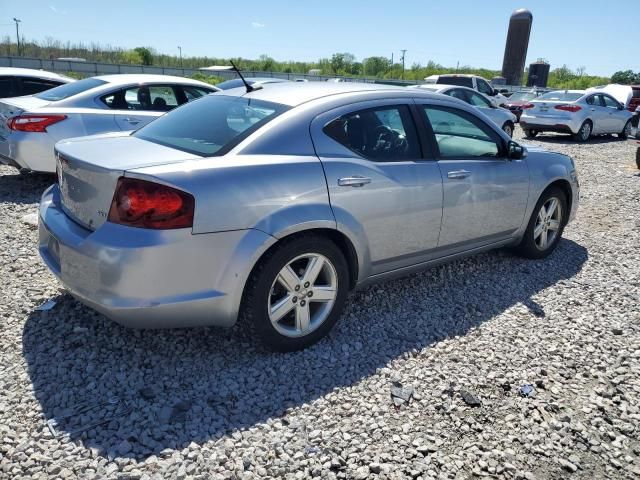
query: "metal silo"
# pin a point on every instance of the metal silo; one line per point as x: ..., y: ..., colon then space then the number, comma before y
x: 538, y: 74
x: 515, y: 51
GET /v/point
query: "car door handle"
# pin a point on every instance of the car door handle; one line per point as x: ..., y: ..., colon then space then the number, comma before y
x: 356, y: 181
x: 132, y: 121
x: 459, y: 174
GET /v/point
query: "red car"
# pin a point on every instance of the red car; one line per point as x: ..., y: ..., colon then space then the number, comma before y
x: 518, y: 99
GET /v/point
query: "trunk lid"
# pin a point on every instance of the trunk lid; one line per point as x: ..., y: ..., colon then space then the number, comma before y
x: 546, y: 107
x: 10, y: 107
x: 89, y: 169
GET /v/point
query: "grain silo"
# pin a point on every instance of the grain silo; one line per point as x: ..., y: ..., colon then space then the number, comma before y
x: 538, y: 74
x: 515, y: 51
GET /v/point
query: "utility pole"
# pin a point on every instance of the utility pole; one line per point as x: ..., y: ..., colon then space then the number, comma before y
x: 403, y: 52
x: 17, y: 20
x: 180, y: 48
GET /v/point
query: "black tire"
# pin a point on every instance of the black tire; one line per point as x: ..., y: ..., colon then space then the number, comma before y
x: 258, y: 291
x: 528, y: 247
x: 626, y: 131
x: 585, y: 131
x: 638, y: 158
x: 530, y: 133
x: 508, y: 128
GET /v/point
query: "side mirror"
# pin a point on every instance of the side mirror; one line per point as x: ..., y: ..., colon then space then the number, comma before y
x: 515, y: 151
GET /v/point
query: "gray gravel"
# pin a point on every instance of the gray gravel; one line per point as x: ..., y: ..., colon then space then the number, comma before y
x: 454, y: 345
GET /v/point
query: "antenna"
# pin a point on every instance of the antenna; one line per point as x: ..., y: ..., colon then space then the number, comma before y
x: 246, y: 84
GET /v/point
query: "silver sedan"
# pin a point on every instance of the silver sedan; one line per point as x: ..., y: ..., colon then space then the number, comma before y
x: 500, y: 116
x: 576, y: 112
x: 30, y: 126
x: 272, y: 204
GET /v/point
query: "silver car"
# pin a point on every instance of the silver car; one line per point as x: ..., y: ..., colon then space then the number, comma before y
x: 576, y: 112
x: 31, y: 126
x: 15, y: 82
x: 500, y: 116
x: 273, y: 204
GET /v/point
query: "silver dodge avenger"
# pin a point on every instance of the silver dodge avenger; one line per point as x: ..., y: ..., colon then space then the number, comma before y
x: 272, y: 204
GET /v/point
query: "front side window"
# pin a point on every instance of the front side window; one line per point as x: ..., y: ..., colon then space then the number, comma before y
x: 70, y: 89
x: 381, y: 134
x: 461, y: 135
x: 478, y: 100
x: 211, y: 125
x: 194, y: 92
x: 610, y: 102
x: 595, y: 100
x: 153, y: 98
x: 484, y: 87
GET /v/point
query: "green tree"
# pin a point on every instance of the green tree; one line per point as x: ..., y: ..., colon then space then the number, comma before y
x: 626, y: 77
x: 145, y: 54
x: 375, y: 66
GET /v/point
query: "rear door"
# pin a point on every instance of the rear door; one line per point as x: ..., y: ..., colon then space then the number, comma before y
x: 380, y: 184
x: 136, y: 106
x: 598, y: 113
x: 484, y: 193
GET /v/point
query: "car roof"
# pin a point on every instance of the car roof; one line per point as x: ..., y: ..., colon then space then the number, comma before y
x: 127, y: 78
x: 297, y: 93
x: 30, y: 72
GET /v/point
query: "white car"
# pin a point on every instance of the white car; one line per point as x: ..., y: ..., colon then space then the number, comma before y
x: 474, y: 82
x: 31, y: 126
x: 16, y: 82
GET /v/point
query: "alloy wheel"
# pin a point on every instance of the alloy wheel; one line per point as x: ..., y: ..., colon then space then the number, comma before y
x: 548, y: 223
x: 585, y: 131
x: 302, y: 295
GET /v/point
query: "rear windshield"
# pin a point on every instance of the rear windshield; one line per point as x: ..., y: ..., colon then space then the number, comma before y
x: 211, y: 125
x: 70, y: 89
x: 562, y: 96
x: 522, y: 96
x: 235, y: 83
x: 460, y: 81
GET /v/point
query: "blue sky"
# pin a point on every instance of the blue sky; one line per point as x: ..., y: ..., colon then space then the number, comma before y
x: 472, y: 32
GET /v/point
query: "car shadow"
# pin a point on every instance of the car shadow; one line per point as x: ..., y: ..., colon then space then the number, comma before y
x: 563, y: 139
x: 133, y: 393
x: 24, y: 188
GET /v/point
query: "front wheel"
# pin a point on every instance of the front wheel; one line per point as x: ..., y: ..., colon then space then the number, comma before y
x: 585, y: 131
x: 297, y: 293
x: 626, y: 131
x: 546, y: 225
x: 508, y: 129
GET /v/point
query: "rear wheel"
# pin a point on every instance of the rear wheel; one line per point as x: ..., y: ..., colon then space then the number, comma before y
x: 585, y: 131
x: 638, y: 158
x: 297, y: 293
x: 508, y: 128
x: 546, y: 225
x: 530, y: 133
x: 626, y: 131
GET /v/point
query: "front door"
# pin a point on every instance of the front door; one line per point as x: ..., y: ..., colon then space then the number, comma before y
x: 379, y: 182
x: 484, y: 193
x: 617, y: 115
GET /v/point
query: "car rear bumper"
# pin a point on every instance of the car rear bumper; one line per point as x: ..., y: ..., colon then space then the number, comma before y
x: 149, y: 278
x: 550, y: 124
x: 28, y: 151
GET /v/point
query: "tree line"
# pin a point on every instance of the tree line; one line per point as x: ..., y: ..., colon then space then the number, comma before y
x: 339, y: 64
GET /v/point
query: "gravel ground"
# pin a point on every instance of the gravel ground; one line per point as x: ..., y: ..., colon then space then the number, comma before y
x: 419, y: 379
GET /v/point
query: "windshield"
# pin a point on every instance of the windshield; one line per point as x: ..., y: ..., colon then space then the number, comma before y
x: 562, y: 96
x: 70, y: 89
x: 522, y: 96
x: 460, y: 81
x: 211, y: 125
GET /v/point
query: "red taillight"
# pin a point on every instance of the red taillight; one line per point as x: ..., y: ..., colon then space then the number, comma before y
x: 33, y: 123
x: 568, y: 108
x: 138, y: 203
x: 527, y: 105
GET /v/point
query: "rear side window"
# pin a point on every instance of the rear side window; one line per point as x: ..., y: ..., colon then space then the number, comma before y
x: 382, y: 134
x: 152, y: 98
x: 460, y: 81
x: 212, y: 125
x: 194, y: 92
x: 7, y: 87
x: 70, y: 89
x: 460, y: 135
x: 31, y: 86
